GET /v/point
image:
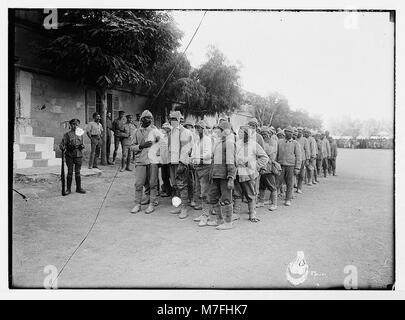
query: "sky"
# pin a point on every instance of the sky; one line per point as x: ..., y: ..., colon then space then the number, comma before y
x: 331, y: 64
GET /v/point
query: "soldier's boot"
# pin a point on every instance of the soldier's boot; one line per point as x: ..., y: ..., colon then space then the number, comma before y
x: 122, y: 165
x: 205, y: 214
x: 273, y: 198
x: 206, y: 209
x: 79, y: 189
x: 183, y: 212
x: 175, y: 210
x: 128, y: 166
x: 69, y: 184
x: 226, y: 212
x: 237, y: 205
x: 217, y: 219
x: 150, y: 208
x: 252, y: 212
x: 260, y: 198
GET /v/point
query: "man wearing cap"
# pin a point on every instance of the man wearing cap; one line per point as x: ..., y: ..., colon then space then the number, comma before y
x: 280, y: 134
x: 118, y: 129
x: 223, y: 173
x: 94, y: 132
x: 145, y: 174
x: 267, y: 176
x: 128, y: 139
x: 319, y: 155
x: 72, y: 145
x: 201, y: 158
x: 325, y: 153
x: 250, y: 158
x: 108, y: 135
x: 180, y: 144
x: 164, y: 160
x: 311, y: 176
x: 333, y: 155
x: 289, y: 157
x: 305, y: 158
x: 191, y: 184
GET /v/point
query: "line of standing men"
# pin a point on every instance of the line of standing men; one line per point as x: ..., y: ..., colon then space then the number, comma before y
x: 215, y: 170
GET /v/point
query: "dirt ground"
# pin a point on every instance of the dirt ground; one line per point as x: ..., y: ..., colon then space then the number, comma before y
x: 345, y: 220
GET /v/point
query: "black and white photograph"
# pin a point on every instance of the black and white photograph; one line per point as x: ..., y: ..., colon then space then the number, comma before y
x: 202, y: 148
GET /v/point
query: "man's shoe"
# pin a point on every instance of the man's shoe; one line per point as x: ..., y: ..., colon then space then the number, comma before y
x: 183, y: 213
x: 136, y: 209
x: 122, y: 169
x: 198, y: 219
x: 273, y: 207
x: 235, y: 217
x: 68, y: 191
x: 299, y: 191
x: 110, y: 162
x: 80, y: 190
x: 128, y: 169
x: 287, y: 203
x: 150, y: 209
x: 203, y: 221
x: 260, y: 205
x: 175, y: 211
x: 192, y: 204
x: 198, y: 207
x: 225, y: 226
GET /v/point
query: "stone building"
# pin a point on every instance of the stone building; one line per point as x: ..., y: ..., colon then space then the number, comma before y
x: 44, y: 100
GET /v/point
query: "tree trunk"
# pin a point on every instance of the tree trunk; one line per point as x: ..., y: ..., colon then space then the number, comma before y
x: 102, y: 94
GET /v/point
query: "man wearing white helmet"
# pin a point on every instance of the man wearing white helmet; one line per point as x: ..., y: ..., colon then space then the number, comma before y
x: 145, y: 174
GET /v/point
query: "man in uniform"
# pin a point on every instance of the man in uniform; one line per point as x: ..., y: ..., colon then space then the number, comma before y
x: 289, y: 157
x: 94, y: 132
x: 118, y: 129
x: 108, y: 134
x: 72, y: 145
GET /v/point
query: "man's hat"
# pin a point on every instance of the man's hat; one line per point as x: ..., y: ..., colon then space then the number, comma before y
x: 201, y: 124
x: 280, y: 131
x: 75, y: 120
x: 225, y: 125
x: 253, y: 121
x: 290, y: 129
x: 265, y: 129
x: 128, y: 116
x: 295, y: 131
x: 272, y: 130
x: 166, y: 125
x: 146, y: 113
x: 175, y: 114
x: 300, y: 129
x: 121, y: 112
x: 188, y: 123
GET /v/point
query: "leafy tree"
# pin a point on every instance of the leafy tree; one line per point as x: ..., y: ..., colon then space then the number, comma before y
x: 221, y: 82
x: 111, y: 48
